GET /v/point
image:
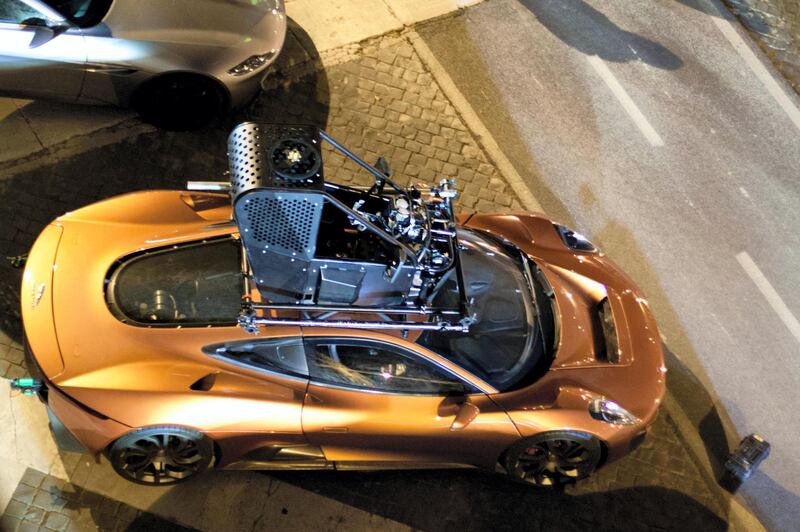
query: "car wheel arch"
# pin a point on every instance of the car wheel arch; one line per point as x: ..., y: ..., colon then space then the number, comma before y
x: 140, y: 91
x: 204, y: 445
x: 603, y: 446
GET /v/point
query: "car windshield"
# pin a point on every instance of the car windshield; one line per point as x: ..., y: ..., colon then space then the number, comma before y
x: 84, y: 13
x: 510, y: 343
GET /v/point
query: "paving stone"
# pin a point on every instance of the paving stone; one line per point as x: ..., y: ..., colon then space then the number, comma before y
x: 16, y: 509
x: 33, y: 514
x: 31, y: 477
x: 24, y: 494
x: 28, y: 526
x: 93, y: 512
x: 56, y: 521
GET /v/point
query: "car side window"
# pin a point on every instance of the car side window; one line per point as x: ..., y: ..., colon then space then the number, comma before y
x: 378, y: 367
x: 15, y: 11
x: 285, y: 355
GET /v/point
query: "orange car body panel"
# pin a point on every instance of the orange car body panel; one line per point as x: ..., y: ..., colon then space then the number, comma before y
x: 139, y: 376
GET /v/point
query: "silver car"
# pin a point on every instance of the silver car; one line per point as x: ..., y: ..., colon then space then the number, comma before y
x: 179, y: 63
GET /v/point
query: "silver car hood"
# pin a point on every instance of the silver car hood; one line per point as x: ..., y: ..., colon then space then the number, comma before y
x: 209, y: 22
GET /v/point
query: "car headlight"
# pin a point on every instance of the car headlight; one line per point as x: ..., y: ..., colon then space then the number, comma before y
x: 609, y: 332
x: 603, y: 409
x: 252, y: 63
x: 575, y: 241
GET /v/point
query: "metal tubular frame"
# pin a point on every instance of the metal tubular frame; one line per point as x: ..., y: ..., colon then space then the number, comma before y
x: 419, y: 311
x: 250, y: 321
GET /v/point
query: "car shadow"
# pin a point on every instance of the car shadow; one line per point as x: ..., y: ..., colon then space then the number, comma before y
x: 581, y: 26
x: 465, y: 500
x: 296, y: 93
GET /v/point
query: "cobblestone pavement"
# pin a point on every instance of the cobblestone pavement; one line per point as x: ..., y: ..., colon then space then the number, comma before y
x: 43, y: 502
x: 382, y: 103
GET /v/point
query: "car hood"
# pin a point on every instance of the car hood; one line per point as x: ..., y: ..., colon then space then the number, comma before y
x: 578, y: 282
x: 208, y: 22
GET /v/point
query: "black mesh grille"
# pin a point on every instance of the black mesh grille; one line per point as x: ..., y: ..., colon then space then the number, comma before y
x: 280, y: 222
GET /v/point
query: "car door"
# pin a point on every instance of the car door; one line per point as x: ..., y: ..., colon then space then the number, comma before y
x: 272, y: 435
x: 377, y: 404
x: 41, y: 54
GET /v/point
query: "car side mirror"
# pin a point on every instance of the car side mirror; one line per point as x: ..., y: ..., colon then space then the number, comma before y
x: 466, y: 415
x: 43, y: 32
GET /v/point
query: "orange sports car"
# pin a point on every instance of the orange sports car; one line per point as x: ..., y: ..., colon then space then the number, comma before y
x: 279, y: 321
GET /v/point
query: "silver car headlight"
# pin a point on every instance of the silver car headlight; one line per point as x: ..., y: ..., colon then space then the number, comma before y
x: 575, y: 241
x: 252, y: 63
x: 606, y: 410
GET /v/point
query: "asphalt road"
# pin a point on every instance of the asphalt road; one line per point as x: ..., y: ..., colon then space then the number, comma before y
x: 653, y: 128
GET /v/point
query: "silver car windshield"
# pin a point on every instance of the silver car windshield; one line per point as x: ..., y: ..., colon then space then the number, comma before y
x: 505, y: 346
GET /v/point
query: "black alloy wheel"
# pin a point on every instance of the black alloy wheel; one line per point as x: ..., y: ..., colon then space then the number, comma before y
x: 159, y: 456
x: 554, y: 458
x: 180, y: 102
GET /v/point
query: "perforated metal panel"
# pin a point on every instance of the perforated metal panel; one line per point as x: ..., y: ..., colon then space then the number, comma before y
x: 252, y: 161
x: 245, y: 158
x: 280, y: 222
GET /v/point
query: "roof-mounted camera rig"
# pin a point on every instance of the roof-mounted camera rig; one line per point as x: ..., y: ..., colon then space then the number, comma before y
x: 321, y: 254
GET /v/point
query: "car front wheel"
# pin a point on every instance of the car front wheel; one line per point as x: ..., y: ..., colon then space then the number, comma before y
x: 159, y: 456
x: 180, y: 102
x: 553, y: 458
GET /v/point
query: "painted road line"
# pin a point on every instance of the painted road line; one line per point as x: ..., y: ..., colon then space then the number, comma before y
x: 627, y: 103
x: 770, y: 294
x: 757, y: 67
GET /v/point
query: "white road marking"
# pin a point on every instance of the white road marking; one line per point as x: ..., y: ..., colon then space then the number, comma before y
x: 627, y: 103
x: 770, y: 294
x: 757, y: 67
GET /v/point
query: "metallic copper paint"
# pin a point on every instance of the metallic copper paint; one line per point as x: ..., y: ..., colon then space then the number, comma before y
x: 141, y: 377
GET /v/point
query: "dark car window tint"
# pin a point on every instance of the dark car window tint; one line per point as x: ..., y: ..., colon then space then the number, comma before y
x: 378, y: 367
x: 198, y: 283
x: 282, y: 356
x: 16, y: 11
x: 84, y: 13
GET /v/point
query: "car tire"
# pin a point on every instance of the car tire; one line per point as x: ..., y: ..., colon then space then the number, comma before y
x: 552, y: 459
x: 180, y: 102
x: 160, y: 456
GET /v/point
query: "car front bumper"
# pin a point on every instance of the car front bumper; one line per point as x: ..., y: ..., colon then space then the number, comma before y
x: 75, y: 427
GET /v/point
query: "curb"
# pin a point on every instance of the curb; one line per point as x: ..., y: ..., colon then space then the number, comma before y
x: 739, y: 516
x: 74, y: 146
x: 473, y: 122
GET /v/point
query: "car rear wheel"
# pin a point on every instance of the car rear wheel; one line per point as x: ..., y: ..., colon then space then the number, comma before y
x: 159, y: 456
x: 553, y: 458
x: 180, y: 102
